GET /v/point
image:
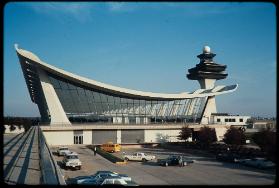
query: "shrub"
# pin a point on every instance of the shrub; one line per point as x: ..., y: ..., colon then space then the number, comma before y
x: 185, y: 133
x: 206, y: 136
x: 266, y: 140
x: 234, y: 136
x: 12, y: 128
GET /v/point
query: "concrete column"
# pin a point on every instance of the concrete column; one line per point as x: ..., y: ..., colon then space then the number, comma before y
x: 56, y: 111
x: 146, y: 120
x: 126, y: 120
x: 207, y: 83
x: 137, y: 120
x: 209, y: 109
x: 118, y: 136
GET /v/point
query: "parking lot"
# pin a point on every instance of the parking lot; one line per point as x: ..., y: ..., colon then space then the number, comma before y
x: 205, y: 170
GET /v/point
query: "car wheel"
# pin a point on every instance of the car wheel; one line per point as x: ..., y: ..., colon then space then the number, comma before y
x: 166, y: 164
x: 144, y: 160
x: 126, y: 159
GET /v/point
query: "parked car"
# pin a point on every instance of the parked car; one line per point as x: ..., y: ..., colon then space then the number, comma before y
x: 139, y: 157
x: 63, y: 150
x: 173, y: 161
x: 71, y: 160
x: 261, y: 163
x: 117, y: 181
x: 98, y: 176
x: 228, y: 157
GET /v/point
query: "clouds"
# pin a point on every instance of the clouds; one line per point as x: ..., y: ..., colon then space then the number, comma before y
x: 80, y: 12
x: 188, y: 8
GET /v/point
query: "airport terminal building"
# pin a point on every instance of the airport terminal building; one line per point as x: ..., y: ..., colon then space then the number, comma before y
x: 78, y: 110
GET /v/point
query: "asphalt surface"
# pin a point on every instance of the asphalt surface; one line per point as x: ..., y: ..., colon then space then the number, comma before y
x: 205, y: 171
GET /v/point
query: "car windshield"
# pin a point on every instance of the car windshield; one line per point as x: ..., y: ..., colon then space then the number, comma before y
x: 63, y: 149
x: 72, y: 157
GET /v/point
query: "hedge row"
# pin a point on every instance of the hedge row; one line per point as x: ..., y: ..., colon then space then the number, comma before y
x: 107, y: 155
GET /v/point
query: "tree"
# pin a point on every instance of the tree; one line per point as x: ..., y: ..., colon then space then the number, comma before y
x: 206, y: 136
x: 266, y: 140
x: 185, y: 133
x: 234, y: 136
x: 12, y: 128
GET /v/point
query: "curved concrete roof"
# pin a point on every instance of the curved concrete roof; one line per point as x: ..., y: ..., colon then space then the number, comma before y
x: 35, y: 60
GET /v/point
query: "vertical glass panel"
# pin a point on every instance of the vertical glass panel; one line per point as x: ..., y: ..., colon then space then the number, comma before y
x: 55, y: 83
x: 148, y: 107
x: 186, y: 105
x: 136, y: 106
x: 63, y: 85
x: 74, y: 97
x: 153, y: 108
x: 157, y: 108
x: 130, y: 105
x: 124, y: 105
x: 142, y: 107
x: 117, y: 105
x: 180, y: 108
x: 96, y: 96
x: 71, y: 86
x: 103, y: 98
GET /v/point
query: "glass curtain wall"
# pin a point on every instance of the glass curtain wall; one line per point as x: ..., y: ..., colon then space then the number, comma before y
x: 82, y: 104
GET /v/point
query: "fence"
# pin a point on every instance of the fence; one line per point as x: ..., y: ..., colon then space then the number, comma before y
x: 51, y: 173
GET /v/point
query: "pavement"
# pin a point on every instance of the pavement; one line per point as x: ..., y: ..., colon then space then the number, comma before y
x: 21, y: 159
x: 205, y: 171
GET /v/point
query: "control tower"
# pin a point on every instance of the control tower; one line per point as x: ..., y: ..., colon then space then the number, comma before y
x: 207, y: 72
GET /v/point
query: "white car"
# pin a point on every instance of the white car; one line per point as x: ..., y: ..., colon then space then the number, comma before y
x: 117, y: 181
x: 99, y: 176
x: 71, y: 160
x: 63, y: 150
x: 138, y: 156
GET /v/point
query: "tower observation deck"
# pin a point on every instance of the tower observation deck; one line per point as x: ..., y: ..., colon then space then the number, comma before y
x: 207, y: 71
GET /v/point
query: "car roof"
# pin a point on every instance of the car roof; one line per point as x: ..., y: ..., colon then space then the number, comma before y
x: 105, y: 171
x: 60, y: 147
x: 114, y: 177
x: 71, y: 153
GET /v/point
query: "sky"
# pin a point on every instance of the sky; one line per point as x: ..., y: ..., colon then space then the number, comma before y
x: 146, y: 46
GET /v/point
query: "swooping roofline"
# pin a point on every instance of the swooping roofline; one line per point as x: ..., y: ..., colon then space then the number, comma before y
x: 119, y: 90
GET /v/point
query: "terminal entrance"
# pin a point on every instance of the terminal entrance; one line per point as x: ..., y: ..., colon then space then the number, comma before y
x: 78, y: 137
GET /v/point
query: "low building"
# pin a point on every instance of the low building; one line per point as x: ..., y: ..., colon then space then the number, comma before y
x: 264, y: 123
x: 227, y: 119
